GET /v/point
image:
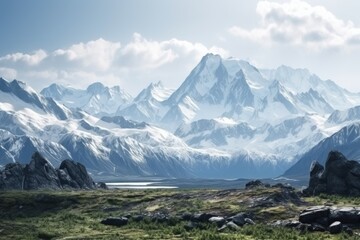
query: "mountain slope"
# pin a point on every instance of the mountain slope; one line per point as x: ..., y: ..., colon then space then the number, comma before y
x: 96, y: 99
x: 346, y: 140
x: 114, y: 145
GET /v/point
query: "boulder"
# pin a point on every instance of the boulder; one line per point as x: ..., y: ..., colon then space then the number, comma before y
x: 345, y: 215
x: 249, y: 221
x: 219, y: 221
x: 335, y: 227
x: 101, y: 185
x: 238, y: 219
x: 115, y: 221
x: 286, y: 223
x: 186, y: 216
x: 340, y: 176
x: 317, y: 214
x: 202, y: 217
x: 232, y: 226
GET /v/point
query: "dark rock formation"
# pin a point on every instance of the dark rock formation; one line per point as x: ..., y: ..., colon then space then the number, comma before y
x: 335, y: 227
x: 115, y: 221
x: 12, y: 176
x: 102, y: 185
x: 74, y: 175
x: 332, y: 219
x: 340, y: 176
x: 256, y: 184
x: 40, y: 174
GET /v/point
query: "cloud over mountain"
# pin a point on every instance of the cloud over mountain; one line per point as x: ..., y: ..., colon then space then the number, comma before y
x: 300, y: 23
x: 107, y: 61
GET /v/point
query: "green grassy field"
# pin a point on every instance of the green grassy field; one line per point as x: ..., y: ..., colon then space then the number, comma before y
x: 77, y: 214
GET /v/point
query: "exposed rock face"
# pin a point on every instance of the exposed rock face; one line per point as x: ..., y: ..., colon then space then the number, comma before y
x: 256, y: 184
x: 12, y: 176
x: 40, y: 174
x: 74, y: 175
x: 340, y: 176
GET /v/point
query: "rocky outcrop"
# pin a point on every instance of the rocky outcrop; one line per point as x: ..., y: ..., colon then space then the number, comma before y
x: 74, y: 175
x: 324, y: 218
x: 340, y: 176
x: 256, y: 184
x: 40, y: 174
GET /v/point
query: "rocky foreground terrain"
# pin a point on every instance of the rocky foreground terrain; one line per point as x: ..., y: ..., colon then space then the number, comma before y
x: 260, y: 211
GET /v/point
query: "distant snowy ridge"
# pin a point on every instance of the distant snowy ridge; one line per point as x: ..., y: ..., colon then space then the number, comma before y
x: 112, y: 145
x: 96, y: 99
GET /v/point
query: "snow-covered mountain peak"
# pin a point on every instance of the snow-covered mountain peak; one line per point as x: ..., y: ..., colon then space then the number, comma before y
x: 96, y: 99
x: 155, y: 91
x: 96, y: 88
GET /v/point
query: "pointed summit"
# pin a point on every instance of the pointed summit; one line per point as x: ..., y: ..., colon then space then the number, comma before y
x: 95, y: 88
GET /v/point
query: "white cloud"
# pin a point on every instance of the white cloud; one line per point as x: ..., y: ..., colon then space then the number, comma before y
x: 299, y: 23
x: 144, y: 53
x: 30, y: 59
x: 98, y: 54
x: 8, y: 73
x: 133, y: 65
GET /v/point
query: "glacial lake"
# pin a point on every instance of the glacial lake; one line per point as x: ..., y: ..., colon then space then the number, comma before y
x: 192, y: 183
x: 138, y: 185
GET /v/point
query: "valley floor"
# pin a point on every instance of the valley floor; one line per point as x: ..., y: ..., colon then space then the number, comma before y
x: 77, y: 214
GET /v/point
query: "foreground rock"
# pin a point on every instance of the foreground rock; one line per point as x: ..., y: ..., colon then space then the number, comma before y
x: 324, y: 218
x: 40, y: 174
x: 115, y: 221
x: 340, y: 176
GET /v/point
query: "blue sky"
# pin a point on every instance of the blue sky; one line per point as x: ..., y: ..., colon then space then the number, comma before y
x: 134, y: 42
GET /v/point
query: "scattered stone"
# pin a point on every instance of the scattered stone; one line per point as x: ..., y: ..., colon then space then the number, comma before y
x: 335, y: 227
x: 191, y: 225
x: 238, y: 219
x: 283, y: 186
x: 101, y: 185
x: 313, y: 214
x: 202, y: 217
x: 138, y: 218
x: 286, y: 223
x: 186, y: 216
x: 249, y: 221
x: 345, y: 215
x: 232, y: 226
x: 256, y: 184
x: 159, y: 217
x: 221, y: 229
x: 219, y: 221
x: 115, y: 221
x: 274, y: 199
x: 348, y: 230
x: 317, y: 228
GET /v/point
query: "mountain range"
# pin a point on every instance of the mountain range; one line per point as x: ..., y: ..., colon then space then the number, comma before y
x: 228, y: 119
